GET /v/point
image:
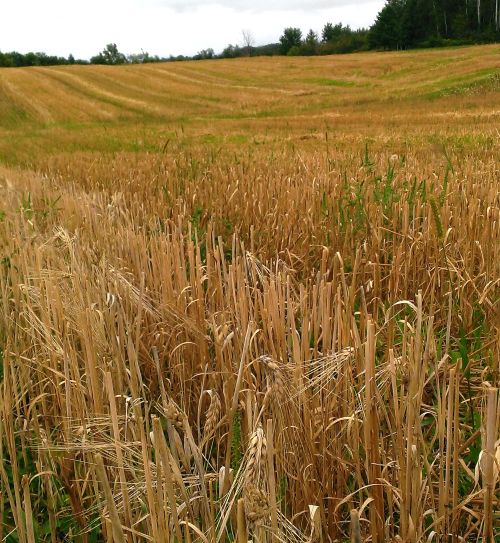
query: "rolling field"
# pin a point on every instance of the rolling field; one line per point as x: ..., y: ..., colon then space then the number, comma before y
x: 253, y: 299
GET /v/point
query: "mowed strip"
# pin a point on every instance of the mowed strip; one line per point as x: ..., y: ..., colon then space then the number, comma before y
x: 25, y: 94
x: 245, y: 88
x: 48, y: 99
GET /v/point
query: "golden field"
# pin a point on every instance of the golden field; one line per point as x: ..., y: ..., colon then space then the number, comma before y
x: 252, y: 299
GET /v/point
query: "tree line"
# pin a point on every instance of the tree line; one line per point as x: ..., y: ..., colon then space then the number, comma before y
x: 109, y: 55
x: 401, y: 24
x: 404, y: 24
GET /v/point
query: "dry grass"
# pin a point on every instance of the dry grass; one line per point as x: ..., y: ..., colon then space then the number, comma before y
x: 253, y: 304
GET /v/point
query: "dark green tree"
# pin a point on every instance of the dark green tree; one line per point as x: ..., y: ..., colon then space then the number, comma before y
x: 310, y: 45
x: 232, y: 51
x: 205, y: 54
x: 419, y: 22
x: 109, y: 55
x: 386, y: 32
x: 331, y: 32
x: 292, y: 37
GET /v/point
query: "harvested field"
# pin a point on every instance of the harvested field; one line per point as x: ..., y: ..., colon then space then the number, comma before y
x: 254, y: 299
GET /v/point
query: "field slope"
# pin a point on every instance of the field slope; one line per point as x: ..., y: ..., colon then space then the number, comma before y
x: 253, y: 299
x: 92, y: 107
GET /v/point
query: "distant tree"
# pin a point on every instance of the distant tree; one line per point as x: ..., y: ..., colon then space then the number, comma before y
x: 386, y: 32
x: 30, y: 59
x: 427, y: 23
x: 248, y: 41
x: 327, y: 33
x: 178, y: 58
x: 204, y: 54
x: 97, y: 59
x: 231, y: 51
x: 71, y: 59
x: 310, y: 45
x: 419, y: 22
x: 141, y: 58
x: 292, y: 37
x: 109, y: 55
x: 331, y: 32
x: 270, y: 49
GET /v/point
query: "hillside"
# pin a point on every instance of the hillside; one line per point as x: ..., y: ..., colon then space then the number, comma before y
x: 251, y: 300
x: 93, y: 107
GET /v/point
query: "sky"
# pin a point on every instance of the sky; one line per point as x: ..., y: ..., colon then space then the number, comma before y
x: 165, y: 27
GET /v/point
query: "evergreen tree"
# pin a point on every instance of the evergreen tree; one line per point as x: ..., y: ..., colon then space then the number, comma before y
x: 412, y: 23
x: 386, y: 32
x: 331, y: 32
x: 109, y: 55
x: 310, y: 45
x: 419, y: 22
x: 291, y: 37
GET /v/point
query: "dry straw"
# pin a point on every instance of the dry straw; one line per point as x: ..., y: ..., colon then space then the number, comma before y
x: 333, y: 309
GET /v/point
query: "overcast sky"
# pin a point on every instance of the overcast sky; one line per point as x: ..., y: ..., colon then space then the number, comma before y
x: 164, y: 27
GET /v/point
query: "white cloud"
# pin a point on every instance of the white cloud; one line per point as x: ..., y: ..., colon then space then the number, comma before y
x: 257, y: 5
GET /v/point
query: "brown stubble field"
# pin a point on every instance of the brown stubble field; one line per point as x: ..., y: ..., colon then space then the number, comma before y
x: 251, y: 299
